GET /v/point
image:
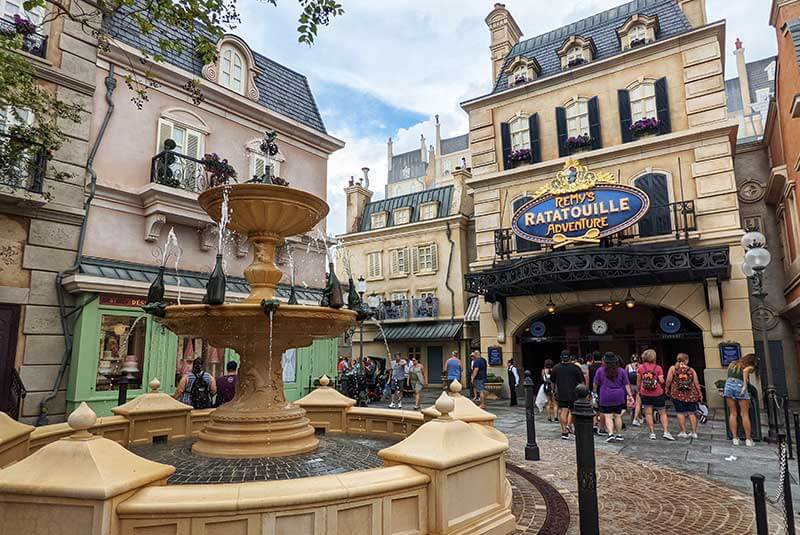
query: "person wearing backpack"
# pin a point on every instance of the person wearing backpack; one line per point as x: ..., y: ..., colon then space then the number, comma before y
x: 650, y: 383
x: 197, y: 388
x: 683, y: 387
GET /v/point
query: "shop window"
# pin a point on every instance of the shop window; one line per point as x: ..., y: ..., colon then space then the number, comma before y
x: 657, y: 221
x: 374, y: 265
x: 123, y: 342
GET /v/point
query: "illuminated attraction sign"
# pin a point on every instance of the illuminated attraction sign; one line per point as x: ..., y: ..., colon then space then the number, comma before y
x: 579, y: 206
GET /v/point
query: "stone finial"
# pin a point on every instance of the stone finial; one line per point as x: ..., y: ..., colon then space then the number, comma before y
x: 81, y: 420
x: 155, y: 384
x: 324, y: 380
x: 445, y: 405
x: 455, y: 386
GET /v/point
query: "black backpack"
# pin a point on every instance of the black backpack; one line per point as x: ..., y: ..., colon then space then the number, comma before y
x: 200, y: 394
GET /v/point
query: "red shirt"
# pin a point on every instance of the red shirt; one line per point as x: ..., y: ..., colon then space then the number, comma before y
x: 656, y: 370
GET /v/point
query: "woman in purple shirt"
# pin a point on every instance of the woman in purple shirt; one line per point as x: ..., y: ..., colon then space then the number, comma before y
x: 613, y: 389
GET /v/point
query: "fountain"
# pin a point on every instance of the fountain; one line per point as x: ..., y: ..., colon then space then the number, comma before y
x: 259, y: 422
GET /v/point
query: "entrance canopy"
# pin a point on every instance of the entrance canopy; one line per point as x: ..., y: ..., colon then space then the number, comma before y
x: 441, y: 330
x: 596, y: 267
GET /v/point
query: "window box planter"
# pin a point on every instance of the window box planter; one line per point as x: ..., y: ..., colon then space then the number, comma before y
x: 644, y: 127
x: 578, y: 143
x: 638, y: 42
x: 494, y: 386
x: 576, y: 62
x: 519, y: 156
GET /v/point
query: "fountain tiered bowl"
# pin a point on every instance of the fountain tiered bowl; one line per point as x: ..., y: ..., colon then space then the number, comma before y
x: 259, y: 422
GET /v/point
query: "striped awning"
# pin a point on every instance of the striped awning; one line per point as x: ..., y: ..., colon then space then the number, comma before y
x: 442, y: 330
x: 473, y: 313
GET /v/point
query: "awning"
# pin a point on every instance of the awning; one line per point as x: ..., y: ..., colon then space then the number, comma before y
x: 442, y: 330
x: 473, y: 314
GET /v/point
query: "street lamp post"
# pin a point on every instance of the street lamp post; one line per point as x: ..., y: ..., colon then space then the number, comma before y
x: 361, y: 288
x: 756, y: 260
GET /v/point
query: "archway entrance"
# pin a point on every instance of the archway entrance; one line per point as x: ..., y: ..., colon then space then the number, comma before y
x: 624, y: 331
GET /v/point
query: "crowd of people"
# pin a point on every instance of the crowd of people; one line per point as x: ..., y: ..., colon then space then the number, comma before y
x: 642, y: 389
x: 201, y: 390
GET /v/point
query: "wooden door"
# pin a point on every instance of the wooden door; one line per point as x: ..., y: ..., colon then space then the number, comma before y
x: 9, y: 326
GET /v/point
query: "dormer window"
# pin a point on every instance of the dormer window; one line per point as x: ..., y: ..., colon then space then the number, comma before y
x: 638, y: 30
x: 576, y: 51
x: 520, y: 75
x: 235, y: 68
x: 429, y: 211
x: 402, y: 216
x: 522, y: 70
x: 231, y: 68
x: 378, y: 220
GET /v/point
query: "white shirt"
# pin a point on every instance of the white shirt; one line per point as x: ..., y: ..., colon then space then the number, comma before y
x: 513, y: 370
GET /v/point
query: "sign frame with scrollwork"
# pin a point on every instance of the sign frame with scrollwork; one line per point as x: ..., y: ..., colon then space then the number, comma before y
x: 603, y: 208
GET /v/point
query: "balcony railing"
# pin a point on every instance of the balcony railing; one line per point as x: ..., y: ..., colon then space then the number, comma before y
x: 32, y: 44
x: 393, y: 310
x: 425, y: 307
x: 675, y: 219
x: 22, y: 164
x: 404, y: 309
x: 177, y: 170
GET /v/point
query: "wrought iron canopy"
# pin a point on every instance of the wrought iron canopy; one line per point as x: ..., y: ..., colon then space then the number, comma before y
x: 594, y: 268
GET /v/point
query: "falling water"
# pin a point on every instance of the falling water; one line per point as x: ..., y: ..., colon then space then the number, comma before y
x: 290, y: 256
x: 383, y: 335
x: 324, y: 239
x: 271, y: 312
x: 224, y: 217
x: 124, y: 339
x: 172, y: 242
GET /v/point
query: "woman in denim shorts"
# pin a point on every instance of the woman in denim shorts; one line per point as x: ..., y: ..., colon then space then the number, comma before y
x: 738, y: 398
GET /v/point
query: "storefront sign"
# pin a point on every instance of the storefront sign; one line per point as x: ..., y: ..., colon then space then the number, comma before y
x: 579, y: 206
x: 495, y: 356
x: 729, y: 352
x: 122, y: 300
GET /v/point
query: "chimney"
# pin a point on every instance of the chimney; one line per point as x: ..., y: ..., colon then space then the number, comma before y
x: 423, y: 150
x: 744, y: 82
x: 462, y: 202
x: 365, y: 170
x: 357, y: 198
x: 389, y: 153
x: 694, y: 11
x: 438, y: 137
x: 504, y: 34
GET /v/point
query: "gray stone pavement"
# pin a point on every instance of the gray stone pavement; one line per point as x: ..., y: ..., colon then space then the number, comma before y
x: 709, y: 456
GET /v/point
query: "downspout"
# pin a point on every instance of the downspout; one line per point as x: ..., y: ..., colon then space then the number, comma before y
x: 449, y: 268
x: 111, y: 84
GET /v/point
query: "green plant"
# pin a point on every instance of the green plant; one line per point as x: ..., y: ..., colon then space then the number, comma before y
x: 720, y: 384
x: 492, y: 378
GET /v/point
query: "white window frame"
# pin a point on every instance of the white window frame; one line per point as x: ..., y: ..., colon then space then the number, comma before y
x: 259, y: 159
x: 643, y: 101
x: 577, y: 113
x: 188, y: 132
x: 402, y: 216
x: 399, y: 295
x: 423, y: 294
x: 9, y: 8
x: 398, y: 262
x: 374, y: 265
x: 575, y: 52
x: 637, y: 31
x: 233, y: 68
x: 519, y: 127
x: 378, y: 220
x: 427, y: 258
x: 428, y: 211
x: 522, y: 71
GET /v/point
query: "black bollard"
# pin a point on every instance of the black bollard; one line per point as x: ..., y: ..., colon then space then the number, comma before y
x: 531, y: 448
x: 796, y: 418
x: 788, y: 506
x: 760, y: 499
x: 122, y: 383
x: 788, y: 423
x: 584, y: 452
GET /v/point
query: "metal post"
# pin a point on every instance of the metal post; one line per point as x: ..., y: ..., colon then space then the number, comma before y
x: 361, y: 340
x: 796, y: 418
x: 760, y: 499
x: 122, y: 383
x: 788, y: 506
x: 531, y: 448
x: 584, y: 452
x: 788, y: 425
x: 772, y: 417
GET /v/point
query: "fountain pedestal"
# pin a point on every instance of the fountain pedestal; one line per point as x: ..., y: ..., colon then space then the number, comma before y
x: 259, y: 422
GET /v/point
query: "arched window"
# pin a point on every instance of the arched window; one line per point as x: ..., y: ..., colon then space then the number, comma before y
x: 643, y: 101
x: 231, y: 72
x: 520, y: 74
x: 577, y: 118
x: 658, y: 220
x: 520, y: 133
x: 259, y: 162
x: 638, y: 33
x: 575, y: 54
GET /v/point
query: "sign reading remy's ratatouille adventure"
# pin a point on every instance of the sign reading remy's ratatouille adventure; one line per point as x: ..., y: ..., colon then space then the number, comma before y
x: 579, y: 206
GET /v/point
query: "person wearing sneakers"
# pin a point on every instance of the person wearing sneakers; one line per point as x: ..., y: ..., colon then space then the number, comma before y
x: 398, y: 371
x: 650, y: 382
x: 565, y: 376
x: 738, y: 398
x: 683, y: 388
x: 613, y: 391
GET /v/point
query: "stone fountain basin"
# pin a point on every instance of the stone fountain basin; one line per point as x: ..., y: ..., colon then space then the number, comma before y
x: 232, y: 324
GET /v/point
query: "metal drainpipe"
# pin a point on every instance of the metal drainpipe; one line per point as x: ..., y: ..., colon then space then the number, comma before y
x: 449, y: 267
x: 111, y: 84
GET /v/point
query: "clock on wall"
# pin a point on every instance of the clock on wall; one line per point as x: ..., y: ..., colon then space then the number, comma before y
x: 599, y: 327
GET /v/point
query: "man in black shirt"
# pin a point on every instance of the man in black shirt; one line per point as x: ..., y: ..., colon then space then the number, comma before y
x: 565, y: 376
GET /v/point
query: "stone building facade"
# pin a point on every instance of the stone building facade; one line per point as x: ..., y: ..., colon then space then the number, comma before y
x: 41, y: 218
x: 573, y: 101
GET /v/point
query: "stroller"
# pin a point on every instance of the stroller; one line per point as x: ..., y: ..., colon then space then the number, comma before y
x: 355, y: 386
x: 375, y: 387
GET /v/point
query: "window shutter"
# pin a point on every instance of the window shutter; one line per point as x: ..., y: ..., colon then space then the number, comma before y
x: 164, y: 133
x: 594, y: 123
x: 662, y: 106
x: 434, y: 257
x: 505, y: 139
x: 395, y: 260
x: 533, y: 130
x: 414, y: 259
x: 657, y: 221
x: 260, y: 165
x: 402, y: 260
x: 624, y: 99
x: 561, y: 126
x: 194, y: 145
x: 523, y: 245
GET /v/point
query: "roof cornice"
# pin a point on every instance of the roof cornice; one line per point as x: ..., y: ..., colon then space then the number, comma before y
x: 713, y: 29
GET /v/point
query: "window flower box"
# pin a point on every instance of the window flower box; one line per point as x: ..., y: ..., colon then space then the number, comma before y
x: 575, y: 62
x: 578, y: 143
x: 519, y: 155
x: 646, y: 126
x: 218, y: 170
x: 24, y: 26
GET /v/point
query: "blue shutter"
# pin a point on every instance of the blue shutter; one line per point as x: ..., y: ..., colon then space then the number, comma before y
x: 662, y: 106
x: 533, y: 128
x: 561, y: 126
x: 624, y: 99
x: 594, y: 123
x: 524, y: 245
x: 505, y: 139
x: 657, y: 221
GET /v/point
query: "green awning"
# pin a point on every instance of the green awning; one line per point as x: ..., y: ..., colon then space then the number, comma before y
x: 441, y: 330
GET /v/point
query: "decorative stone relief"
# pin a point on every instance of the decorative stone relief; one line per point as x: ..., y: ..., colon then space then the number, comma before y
x: 751, y: 191
x: 714, y: 306
x: 500, y: 321
x: 152, y: 226
x: 208, y: 237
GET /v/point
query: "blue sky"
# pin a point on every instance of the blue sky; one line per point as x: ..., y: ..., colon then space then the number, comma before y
x: 386, y: 67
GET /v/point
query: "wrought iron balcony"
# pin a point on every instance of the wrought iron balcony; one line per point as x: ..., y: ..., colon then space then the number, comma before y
x: 18, y: 393
x: 34, y: 44
x: 674, y: 220
x: 425, y: 307
x: 177, y: 170
x: 398, y: 309
x: 22, y: 164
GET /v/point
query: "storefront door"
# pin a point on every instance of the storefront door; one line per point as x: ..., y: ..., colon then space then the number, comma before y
x: 9, y: 324
x: 434, y: 364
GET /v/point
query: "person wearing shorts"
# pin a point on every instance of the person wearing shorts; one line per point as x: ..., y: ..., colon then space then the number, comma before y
x: 565, y: 376
x: 479, y: 374
x: 683, y: 387
x: 613, y: 391
x: 398, y: 378
x: 650, y: 383
x: 737, y: 397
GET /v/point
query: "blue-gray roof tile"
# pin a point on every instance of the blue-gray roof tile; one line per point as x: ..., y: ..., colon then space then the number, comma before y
x: 441, y: 195
x: 455, y: 144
